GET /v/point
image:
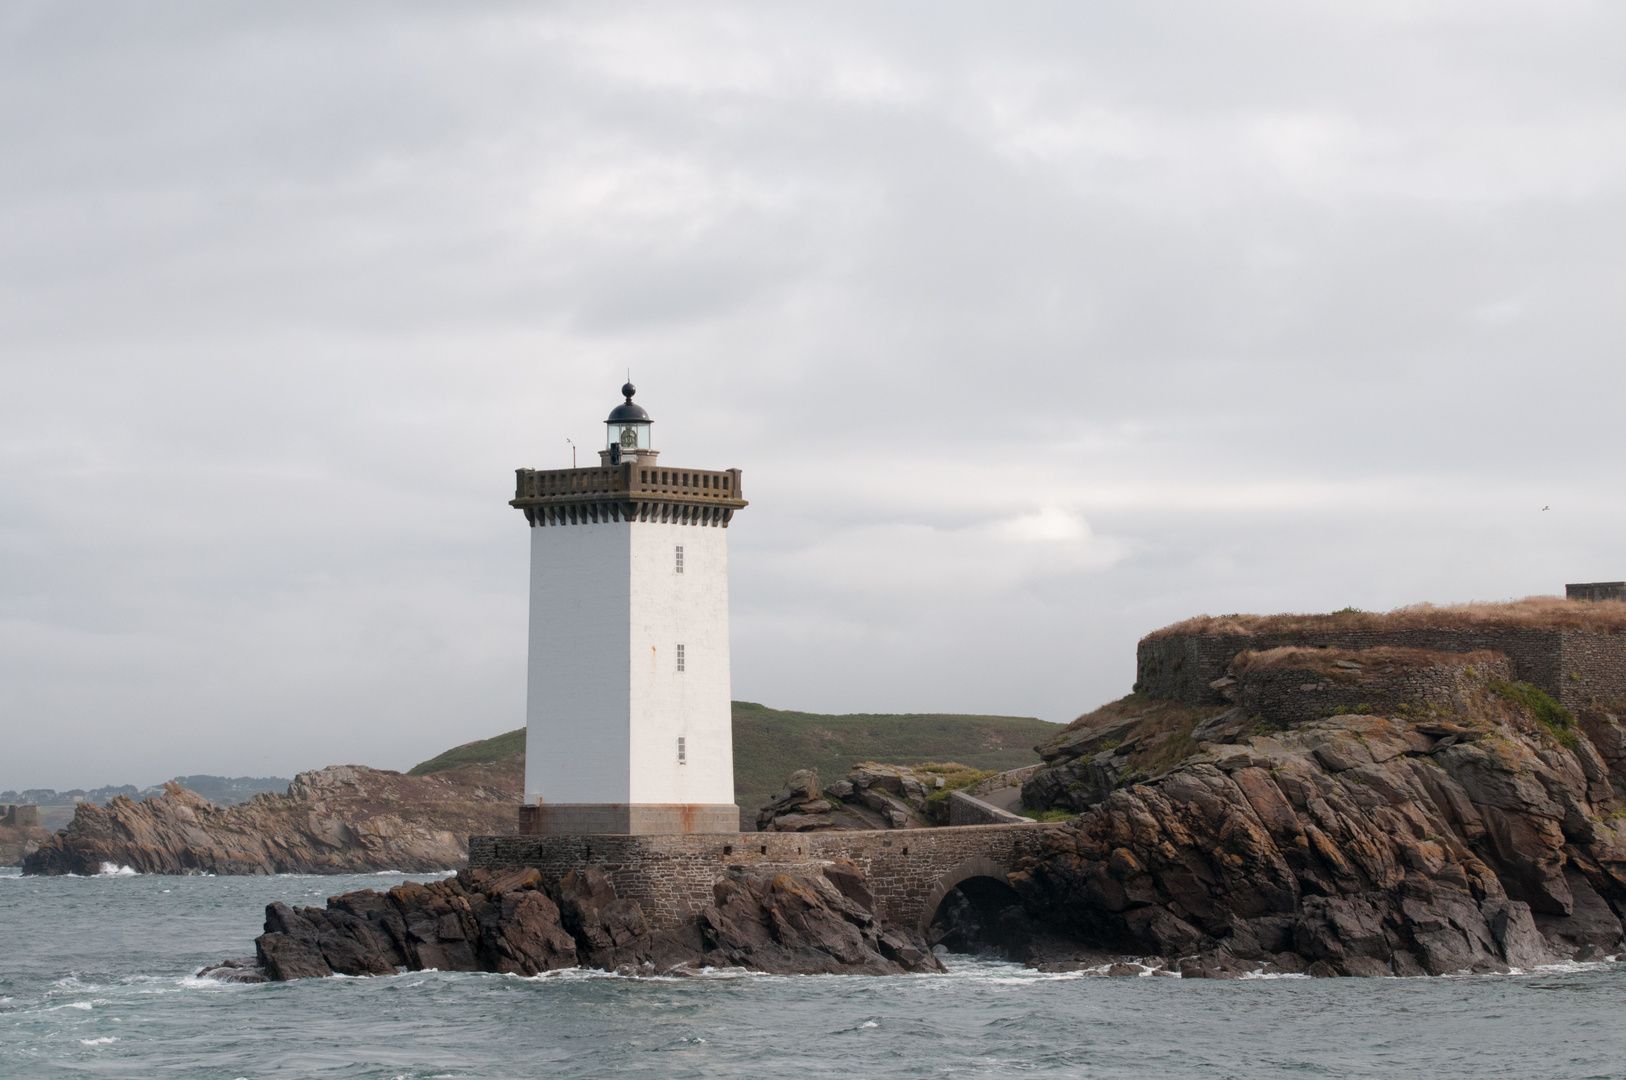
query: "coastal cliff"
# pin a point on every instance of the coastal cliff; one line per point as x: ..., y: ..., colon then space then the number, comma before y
x: 341, y: 819
x: 1350, y: 812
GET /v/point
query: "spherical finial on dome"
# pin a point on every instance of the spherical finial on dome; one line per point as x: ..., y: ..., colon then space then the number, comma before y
x: 627, y: 412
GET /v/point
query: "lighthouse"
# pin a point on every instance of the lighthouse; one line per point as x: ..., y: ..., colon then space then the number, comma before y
x: 628, y: 727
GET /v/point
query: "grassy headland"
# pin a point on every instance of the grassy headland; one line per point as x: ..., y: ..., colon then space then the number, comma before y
x: 769, y: 744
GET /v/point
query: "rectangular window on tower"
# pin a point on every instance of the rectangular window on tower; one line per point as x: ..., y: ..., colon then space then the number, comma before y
x: 680, y: 658
x: 680, y: 558
x: 683, y: 751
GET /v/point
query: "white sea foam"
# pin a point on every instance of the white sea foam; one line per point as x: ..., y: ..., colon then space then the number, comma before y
x: 115, y: 870
x: 198, y: 982
x: 103, y: 1041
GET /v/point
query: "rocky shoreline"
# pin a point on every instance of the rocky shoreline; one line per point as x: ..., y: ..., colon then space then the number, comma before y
x: 339, y: 820
x: 819, y: 921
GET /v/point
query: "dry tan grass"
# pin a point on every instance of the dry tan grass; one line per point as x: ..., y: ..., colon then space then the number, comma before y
x: 1163, y: 736
x: 1533, y: 612
x: 1325, y: 661
x: 1173, y: 712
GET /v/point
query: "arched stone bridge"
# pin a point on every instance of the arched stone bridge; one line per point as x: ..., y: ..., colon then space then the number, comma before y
x: 909, y: 870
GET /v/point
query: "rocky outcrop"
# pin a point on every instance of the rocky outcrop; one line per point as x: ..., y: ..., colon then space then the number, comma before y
x: 871, y: 796
x: 1472, y: 827
x: 818, y: 921
x: 800, y: 807
x: 339, y: 820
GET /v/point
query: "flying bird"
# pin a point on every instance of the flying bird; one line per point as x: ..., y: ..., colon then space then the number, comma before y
x: 1546, y: 508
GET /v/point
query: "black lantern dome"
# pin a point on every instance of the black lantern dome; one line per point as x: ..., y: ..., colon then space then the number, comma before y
x: 627, y: 428
x: 627, y: 412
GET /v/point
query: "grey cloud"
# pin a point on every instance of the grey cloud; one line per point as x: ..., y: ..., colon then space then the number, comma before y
x: 1032, y: 328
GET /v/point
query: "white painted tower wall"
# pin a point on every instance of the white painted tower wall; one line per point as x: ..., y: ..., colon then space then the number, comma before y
x: 606, y: 704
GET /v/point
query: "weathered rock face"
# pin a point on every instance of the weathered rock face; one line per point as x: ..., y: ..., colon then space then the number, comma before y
x: 339, y: 820
x: 799, y: 807
x: 871, y: 796
x: 819, y: 921
x: 1470, y: 829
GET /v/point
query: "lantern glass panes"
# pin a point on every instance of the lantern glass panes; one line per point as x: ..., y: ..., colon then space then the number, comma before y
x: 628, y: 436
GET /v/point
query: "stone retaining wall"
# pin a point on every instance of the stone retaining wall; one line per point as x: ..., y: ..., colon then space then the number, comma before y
x: 968, y: 810
x: 1293, y: 695
x: 1578, y: 667
x: 909, y: 870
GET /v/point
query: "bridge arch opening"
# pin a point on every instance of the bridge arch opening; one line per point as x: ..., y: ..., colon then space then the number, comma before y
x: 968, y: 906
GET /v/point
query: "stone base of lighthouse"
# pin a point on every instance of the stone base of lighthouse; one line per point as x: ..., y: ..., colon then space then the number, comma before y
x: 627, y: 819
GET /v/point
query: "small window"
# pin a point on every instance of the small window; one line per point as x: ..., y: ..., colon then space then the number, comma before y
x: 725, y: 483
x: 643, y: 476
x: 680, y: 558
x: 705, y: 480
x: 680, y: 658
x: 663, y: 477
x: 683, y: 751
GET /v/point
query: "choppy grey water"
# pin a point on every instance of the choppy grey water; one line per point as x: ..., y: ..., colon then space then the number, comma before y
x: 95, y: 980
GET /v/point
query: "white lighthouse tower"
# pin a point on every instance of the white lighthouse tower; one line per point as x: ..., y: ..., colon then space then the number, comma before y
x: 628, y: 727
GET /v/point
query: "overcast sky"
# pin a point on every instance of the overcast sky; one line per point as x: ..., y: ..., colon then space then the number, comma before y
x: 1033, y: 327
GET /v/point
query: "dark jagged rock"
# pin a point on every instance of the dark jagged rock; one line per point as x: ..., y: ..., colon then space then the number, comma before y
x: 1470, y: 829
x: 821, y: 921
x: 802, y: 924
x: 245, y: 969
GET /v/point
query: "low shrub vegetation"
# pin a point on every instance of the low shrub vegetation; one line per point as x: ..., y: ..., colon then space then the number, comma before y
x: 1547, y: 712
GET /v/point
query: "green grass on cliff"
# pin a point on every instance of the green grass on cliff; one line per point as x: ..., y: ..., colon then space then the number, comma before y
x: 770, y: 744
x: 510, y: 744
x: 1549, y: 713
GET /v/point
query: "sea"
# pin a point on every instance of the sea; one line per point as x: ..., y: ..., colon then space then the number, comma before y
x: 97, y: 979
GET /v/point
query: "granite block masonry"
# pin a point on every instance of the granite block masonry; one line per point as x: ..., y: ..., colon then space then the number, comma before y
x: 969, y: 810
x: 1596, y: 590
x: 1576, y: 667
x: 908, y: 871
